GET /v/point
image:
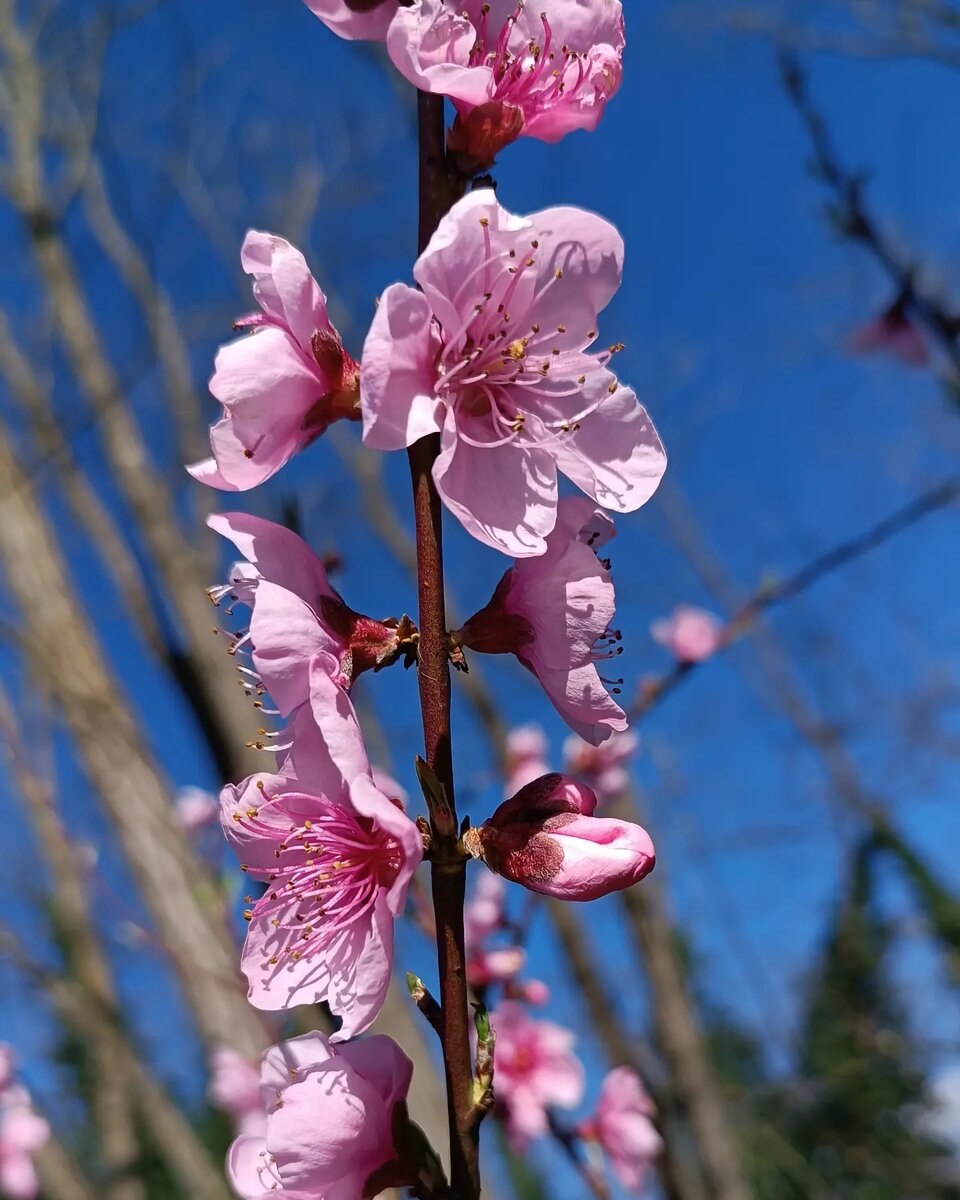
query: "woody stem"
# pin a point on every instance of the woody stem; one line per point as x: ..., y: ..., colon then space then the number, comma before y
x: 448, y: 865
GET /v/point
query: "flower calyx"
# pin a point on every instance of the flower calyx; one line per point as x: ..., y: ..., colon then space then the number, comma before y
x: 371, y: 645
x: 476, y: 139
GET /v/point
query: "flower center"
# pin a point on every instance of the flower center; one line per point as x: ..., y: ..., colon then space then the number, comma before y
x: 533, y: 74
x: 329, y: 870
x: 501, y: 366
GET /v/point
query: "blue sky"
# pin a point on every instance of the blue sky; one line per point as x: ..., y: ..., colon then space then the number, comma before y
x: 735, y: 303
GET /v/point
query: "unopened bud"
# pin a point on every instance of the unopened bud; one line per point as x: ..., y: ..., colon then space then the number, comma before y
x: 546, y: 839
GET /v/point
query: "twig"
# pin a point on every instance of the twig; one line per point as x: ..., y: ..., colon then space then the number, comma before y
x: 449, y: 864
x: 770, y: 596
x: 425, y: 1001
x: 852, y: 217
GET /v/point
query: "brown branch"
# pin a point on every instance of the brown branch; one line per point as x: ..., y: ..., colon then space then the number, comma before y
x: 448, y: 868
x: 851, y: 215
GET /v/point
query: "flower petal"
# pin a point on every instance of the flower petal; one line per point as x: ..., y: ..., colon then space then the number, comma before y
x: 397, y: 396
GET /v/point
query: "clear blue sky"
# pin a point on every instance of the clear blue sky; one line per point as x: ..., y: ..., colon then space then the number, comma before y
x: 734, y: 308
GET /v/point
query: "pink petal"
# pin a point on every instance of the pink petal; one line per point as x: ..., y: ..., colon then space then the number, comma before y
x: 278, y: 553
x: 286, y: 636
x: 506, y: 496
x: 283, y: 285
x: 370, y: 26
x: 397, y: 396
x: 370, y: 802
x: 616, y: 456
x: 341, y: 744
x: 382, y: 1064
x: 430, y: 43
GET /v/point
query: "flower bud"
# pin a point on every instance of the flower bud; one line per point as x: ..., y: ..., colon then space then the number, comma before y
x: 547, y: 839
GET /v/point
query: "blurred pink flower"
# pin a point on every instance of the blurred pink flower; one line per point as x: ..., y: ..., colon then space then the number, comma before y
x: 329, y: 1121
x: 194, y: 808
x: 530, y: 991
x: 492, y: 354
x: 285, y: 383
x: 337, y: 856
x: 295, y: 613
x: 603, y: 768
x: 547, y: 839
x: 690, y: 634
x: 234, y: 1087
x: 624, y: 1129
x: 893, y: 333
x: 551, y: 612
x: 542, y: 70
x: 526, y: 757
x: 536, y: 1069
x: 22, y: 1134
x: 363, y: 20
x: 483, y: 914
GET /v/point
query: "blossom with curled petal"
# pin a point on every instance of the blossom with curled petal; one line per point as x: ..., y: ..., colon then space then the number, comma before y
x: 494, y: 354
x: 361, y: 20
x: 554, y: 613
x: 536, y: 1069
x: 547, y: 839
x: 295, y: 613
x: 285, y: 382
x: 623, y: 1127
x: 337, y: 857
x: 511, y: 68
x: 330, y: 1114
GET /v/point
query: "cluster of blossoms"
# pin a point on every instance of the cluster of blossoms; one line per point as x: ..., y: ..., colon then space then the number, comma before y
x: 493, y: 353
x: 22, y: 1134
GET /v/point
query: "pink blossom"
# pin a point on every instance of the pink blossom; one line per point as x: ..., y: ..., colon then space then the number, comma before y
x: 337, y: 856
x: 690, y: 634
x: 540, y: 70
x: 282, y: 385
x: 493, y: 355
x: 547, y: 839
x: 536, y: 1069
x: 361, y: 20
x: 894, y: 333
x: 22, y: 1134
x: 235, y: 1088
x: 624, y: 1129
x: 296, y: 614
x: 526, y: 757
x: 194, y: 808
x: 603, y: 768
x: 329, y: 1121
x: 554, y: 614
